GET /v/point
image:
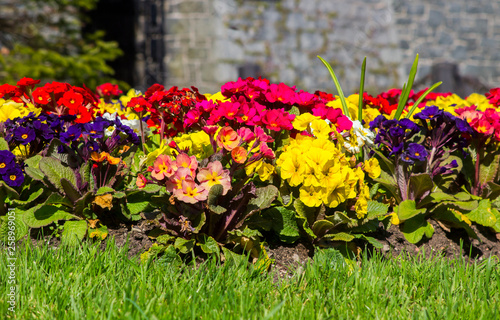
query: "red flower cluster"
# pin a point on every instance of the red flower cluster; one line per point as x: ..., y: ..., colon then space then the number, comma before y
x: 108, y: 91
x: 494, y: 96
x: 485, y: 123
x: 167, y: 108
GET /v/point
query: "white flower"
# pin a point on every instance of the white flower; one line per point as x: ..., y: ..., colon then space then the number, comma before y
x: 364, y: 135
x: 133, y: 124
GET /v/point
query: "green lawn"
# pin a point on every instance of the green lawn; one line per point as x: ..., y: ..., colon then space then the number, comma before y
x: 85, y: 283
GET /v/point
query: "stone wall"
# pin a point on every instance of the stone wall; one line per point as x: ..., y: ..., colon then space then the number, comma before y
x: 210, y: 42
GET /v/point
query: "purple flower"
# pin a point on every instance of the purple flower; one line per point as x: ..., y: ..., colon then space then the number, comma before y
x: 416, y: 151
x: 24, y: 135
x: 13, y: 177
x: 72, y: 134
x: 7, y: 161
x: 430, y: 112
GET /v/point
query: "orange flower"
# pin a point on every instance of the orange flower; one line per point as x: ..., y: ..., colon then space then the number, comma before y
x: 239, y: 155
x: 228, y: 138
x: 98, y: 157
x: 113, y: 160
x: 141, y: 181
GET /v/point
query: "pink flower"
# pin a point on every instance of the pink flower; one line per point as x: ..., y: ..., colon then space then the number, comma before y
x: 192, y: 117
x: 246, y: 134
x: 175, y: 182
x: 141, y: 181
x: 185, y: 161
x: 214, y: 174
x: 261, y: 135
x: 343, y: 123
x: 239, y: 155
x: 191, y: 192
x: 210, y: 130
x: 281, y: 93
x: 163, y: 167
x: 266, y: 151
x: 231, y: 88
x: 305, y: 99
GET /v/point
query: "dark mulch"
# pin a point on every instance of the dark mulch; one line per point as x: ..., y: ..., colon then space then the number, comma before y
x: 290, y: 258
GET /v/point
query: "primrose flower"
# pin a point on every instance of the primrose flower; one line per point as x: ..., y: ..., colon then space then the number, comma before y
x: 246, y: 134
x: 185, y: 161
x: 13, y: 177
x: 214, y: 174
x: 292, y: 169
x: 303, y: 121
x: 228, y: 138
x: 414, y: 151
x: 372, y: 167
x: 163, y: 167
x: 141, y: 181
x: 175, y: 181
x: 24, y: 135
x: 191, y: 192
x: 320, y: 128
x: 311, y: 196
x: 7, y: 161
x: 239, y: 155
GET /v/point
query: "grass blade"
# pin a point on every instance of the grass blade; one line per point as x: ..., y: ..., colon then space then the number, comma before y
x: 361, y: 90
x: 406, y: 90
x: 422, y: 97
x: 337, y: 85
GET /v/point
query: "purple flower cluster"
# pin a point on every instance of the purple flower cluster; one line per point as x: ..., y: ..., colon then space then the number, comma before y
x: 396, y: 135
x: 444, y: 134
x: 10, y: 171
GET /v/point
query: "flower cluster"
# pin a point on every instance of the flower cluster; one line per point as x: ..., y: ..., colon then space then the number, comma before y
x: 485, y: 123
x: 324, y: 174
x: 10, y: 171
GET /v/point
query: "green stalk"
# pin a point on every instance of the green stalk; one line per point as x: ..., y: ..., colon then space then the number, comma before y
x: 361, y: 90
x: 422, y: 97
x: 406, y: 90
x: 345, y: 109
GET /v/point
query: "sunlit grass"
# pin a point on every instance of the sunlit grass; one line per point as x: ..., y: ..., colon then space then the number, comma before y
x: 86, y: 283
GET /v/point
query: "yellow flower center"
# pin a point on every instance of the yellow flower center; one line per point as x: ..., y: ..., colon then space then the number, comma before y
x: 24, y: 136
x: 13, y: 177
x: 2, y: 165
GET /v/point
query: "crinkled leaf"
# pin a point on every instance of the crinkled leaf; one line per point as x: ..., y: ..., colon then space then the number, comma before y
x: 264, y: 197
x: 33, y: 195
x: 494, y: 191
x: 321, y: 227
x: 488, y: 168
x: 419, y: 185
x: 14, y: 218
x: 152, y: 188
x: 455, y: 218
x: 415, y: 228
x: 496, y: 226
x: 306, y: 216
x: 340, y: 236
x: 283, y: 222
x: 217, y: 209
x: 10, y: 192
x: 374, y: 242
x: 57, y: 199
x: 164, y: 238
x: 209, y: 245
x: 376, y: 209
x: 214, y: 193
x: 407, y: 209
x: 483, y: 214
x: 70, y: 190
x: 3, y: 144
x: 232, y: 257
x: 153, y: 252
x: 43, y: 215
x: 34, y: 161
x: 104, y: 190
x: 74, y: 232
x: 183, y: 245
x: 34, y: 173
x: 54, y: 170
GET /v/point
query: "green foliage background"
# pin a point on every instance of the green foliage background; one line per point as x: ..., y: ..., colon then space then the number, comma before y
x: 43, y: 39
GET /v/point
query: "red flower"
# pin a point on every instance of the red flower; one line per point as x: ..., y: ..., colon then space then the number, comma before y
x: 71, y: 100
x: 82, y: 114
x: 41, y: 96
x: 494, y: 96
x: 27, y: 82
x: 9, y: 91
x: 281, y: 93
x: 108, y: 90
x: 139, y: 104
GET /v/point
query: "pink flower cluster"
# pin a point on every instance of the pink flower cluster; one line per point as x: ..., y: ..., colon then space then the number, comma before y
x: 486, y: 123
x: 182, y: 177
x: 257, y: 102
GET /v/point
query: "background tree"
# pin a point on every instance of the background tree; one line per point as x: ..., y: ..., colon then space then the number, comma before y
x: 43, y: 39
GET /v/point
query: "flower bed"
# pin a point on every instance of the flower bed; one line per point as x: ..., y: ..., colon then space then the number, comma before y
x: 224, y: 172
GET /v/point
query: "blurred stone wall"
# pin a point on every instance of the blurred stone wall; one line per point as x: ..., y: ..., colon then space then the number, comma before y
x: 210, y: 42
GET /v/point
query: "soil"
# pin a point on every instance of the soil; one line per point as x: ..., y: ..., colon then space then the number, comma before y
x: 290, y: 258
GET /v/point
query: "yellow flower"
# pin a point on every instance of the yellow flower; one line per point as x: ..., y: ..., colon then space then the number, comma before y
x: 333, y: 197
x: 311, y: 196
x: 303, y: 121
x: 361, y: 205
x: 216, y: 97
x: 292, y: 170
x: 320, y: 128
x: 480, y: 101
x: 372, y: 167
x: 352, y: 106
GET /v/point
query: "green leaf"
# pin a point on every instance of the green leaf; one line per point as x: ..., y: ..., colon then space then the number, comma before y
x: 494, y: 191
x: 214, y: 193
x: 345, y: 109
x: 104, y: 190
x: 34, y: 161
x: 321, y: 227
x: 232, y: 257
x: 54, y: 170
x: 422, y: 97
x: 407, y: 210
x: 74, y: 232
x: 33, y: 195
x: 453, y: 217
x: 264, y: 197
x: 418, y: 185
x: 374, y: 242
x: 488, y: 168
x: 183, y: 245
x: 152, y: 188
x: 376, y: 209
x: 70, y: 190
x: 403, y: 99
x: 306, y: 216
x: 283, y: 222
x: 483, y: 214
x: 415, y: 228
x: 3, y: 144
x: 385, y: 164
x: 209, y: 245
x: 463, y: 196
x: 57, y: 199
x: 82, y: 203
x: 43, y: 215
x: 34, y: 173
x: 341, y: 236
x: 361, y: 90
x: 164, y: 239
x: 13, y: 219
x: 496, y: 227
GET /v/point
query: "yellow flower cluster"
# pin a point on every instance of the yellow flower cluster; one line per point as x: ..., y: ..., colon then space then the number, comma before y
x: 324, y: 174
x: 9, y: 109
x: 115, y: 106
x: 452, y: 102
x: 198, y: 144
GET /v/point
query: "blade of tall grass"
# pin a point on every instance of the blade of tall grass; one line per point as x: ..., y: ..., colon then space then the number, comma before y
x: 345, y: 109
